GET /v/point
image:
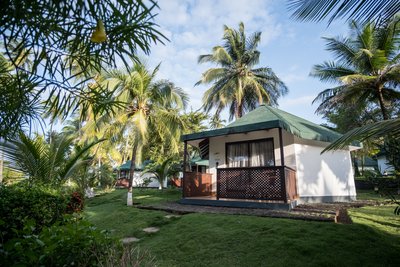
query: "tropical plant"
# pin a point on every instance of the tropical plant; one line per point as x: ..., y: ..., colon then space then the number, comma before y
x: 360, y: 11
x: 151, y: 105
x: 216, y: 122
x: 370, y: 131
x: 45, y: 163
x: 367, y: 68
x: 163, y: 170
x: 236, y: 84
x: 45, y: 33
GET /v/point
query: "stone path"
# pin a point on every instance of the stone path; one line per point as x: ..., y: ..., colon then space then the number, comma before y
x: 169, y: 216
x: 128, y: 240
x: 151, y: 230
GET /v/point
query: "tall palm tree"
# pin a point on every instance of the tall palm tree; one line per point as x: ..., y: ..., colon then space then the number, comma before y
x: 367, y: 68
x: 236, y: 83
x: 149, y: 103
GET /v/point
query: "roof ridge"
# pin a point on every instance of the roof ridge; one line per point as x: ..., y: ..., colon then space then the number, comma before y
x: 270, y: 108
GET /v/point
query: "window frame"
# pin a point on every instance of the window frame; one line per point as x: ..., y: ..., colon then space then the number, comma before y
x: 248, y: 150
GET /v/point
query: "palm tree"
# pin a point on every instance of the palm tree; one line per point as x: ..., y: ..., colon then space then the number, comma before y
x: 360, y: 11
x: 236, y: 84
x: 48, y: 163
x: 148, y: 104
x: 367, y: 68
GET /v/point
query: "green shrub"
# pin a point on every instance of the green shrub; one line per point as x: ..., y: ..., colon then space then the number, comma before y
x: 75, y: 203
x: 70, y: 242
x: 20, y: 204
x: 74, y: 242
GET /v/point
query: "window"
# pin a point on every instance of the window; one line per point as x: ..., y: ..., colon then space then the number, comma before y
x: 251, y: 153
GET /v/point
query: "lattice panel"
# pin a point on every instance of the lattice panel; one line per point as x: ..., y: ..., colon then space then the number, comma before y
x: 264, y: 183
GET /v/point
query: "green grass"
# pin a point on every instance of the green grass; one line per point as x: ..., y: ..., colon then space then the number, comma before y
x: 233, y: 240
x: 372, y: 195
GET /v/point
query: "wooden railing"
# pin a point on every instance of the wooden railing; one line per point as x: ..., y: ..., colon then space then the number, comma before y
x: 291, y: 185
x: 257, y: 183
x: 196, y: 184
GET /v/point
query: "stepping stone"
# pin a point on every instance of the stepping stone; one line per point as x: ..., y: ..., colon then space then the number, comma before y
x: 169, y: 216
x: 128, y: 240
x: 151, y: 229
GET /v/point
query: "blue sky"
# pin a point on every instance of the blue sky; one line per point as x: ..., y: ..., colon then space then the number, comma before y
x: 289, y: 47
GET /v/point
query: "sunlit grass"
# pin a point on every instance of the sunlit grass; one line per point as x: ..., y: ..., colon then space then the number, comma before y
x: 234, y: 240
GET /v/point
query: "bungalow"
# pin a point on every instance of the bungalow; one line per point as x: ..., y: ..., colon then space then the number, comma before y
x: 140, y: 179
x: 267, y: 158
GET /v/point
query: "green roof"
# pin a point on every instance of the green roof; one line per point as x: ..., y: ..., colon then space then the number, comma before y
x: 127, y: 166
x: 199, y: 161
x: 267, y: 117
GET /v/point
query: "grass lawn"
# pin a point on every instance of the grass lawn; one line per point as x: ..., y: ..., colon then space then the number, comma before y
x: 234, y: 240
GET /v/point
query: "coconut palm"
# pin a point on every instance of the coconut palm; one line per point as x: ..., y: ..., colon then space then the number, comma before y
x: 236, y: 84
x: 149, y: 104
x: 367, y: 68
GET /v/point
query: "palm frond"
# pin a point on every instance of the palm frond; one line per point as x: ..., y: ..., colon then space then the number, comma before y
x: 360, y: 11
x: 374, y: 130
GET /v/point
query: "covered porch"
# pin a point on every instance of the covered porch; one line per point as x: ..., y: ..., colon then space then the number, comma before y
x: 265, y: 185
x: 241, y: 186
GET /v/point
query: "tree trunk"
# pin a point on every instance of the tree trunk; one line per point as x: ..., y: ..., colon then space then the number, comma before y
x: 99, y: 171
x: 382, y: 104
x: 1, y: 166
x: 356, y: 170
x: 131, y: 173
x: 239, y: 101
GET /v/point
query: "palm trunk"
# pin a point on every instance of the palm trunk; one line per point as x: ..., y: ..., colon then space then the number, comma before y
x: 99, y: 171
x: 239, y: 102
x: 131, y: 174
x: 382, y: 104
x: 1, y: 166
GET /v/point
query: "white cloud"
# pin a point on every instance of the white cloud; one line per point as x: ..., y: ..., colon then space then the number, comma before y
x: 194, y: 27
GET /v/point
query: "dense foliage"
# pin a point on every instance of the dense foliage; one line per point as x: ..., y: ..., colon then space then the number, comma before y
x: 71, y: 241
x: 53, y: 47
x: 21, y: 204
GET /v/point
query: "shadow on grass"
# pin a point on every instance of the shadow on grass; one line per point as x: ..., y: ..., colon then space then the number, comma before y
x: 231, y: 240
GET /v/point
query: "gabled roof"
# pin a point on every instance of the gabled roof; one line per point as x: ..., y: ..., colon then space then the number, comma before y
x: 267, y: 117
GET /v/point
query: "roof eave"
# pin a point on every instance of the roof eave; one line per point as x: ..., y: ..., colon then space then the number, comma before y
x: 234, y: 130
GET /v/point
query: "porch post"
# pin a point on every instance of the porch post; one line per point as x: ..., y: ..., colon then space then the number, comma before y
x: 283, y: 176
x: 184, y: 168
x: 281, y: 147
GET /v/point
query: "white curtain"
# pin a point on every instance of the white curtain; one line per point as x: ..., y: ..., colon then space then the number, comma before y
x: 261, y: 153
x: 250, y: 154
x: 237, y: 155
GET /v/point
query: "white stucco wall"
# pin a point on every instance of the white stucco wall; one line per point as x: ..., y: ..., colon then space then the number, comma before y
x: 326, y: 177
x: 138, y: 179
x: 217, y: 149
